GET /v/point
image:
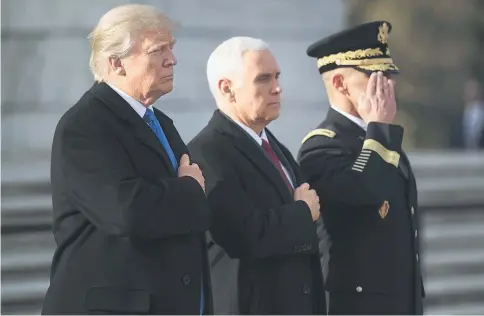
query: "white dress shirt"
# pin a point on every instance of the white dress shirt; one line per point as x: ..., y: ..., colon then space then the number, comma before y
x: 135, y: 104
x: 358, y: 121
x: 259, y: 139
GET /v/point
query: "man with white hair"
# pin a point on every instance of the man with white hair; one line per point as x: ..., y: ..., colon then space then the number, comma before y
x: 262, y: 212
x: 130, y: 211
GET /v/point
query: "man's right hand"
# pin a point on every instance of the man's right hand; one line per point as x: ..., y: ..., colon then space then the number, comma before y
x: 191, y: 170
x: 378, y: 103
x: 304, y: 193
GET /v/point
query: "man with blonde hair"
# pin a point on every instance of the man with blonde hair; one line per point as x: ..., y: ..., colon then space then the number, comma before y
x: 262, y: 211
x: 130, y: 212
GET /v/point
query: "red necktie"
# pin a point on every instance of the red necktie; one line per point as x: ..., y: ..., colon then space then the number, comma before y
x: 277, y: 163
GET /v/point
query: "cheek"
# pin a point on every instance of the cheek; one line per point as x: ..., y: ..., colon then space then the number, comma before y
x: 260, y: 98
x: 153, y: 67
x: 362, y: 84
x: 358, y: 87
x: 137, y: 70
x: 150, y: 65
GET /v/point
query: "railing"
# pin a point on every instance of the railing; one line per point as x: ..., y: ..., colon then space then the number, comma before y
x: 451, y: 194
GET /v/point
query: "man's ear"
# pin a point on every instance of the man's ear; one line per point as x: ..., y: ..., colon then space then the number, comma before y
x: 224, y: 86
x: 117, y: 66
x: 338, y: 81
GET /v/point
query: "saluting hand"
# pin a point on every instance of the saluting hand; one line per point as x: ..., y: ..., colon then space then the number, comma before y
x: 378, y: 103
x: 304, y: 193
x: 191, y: 170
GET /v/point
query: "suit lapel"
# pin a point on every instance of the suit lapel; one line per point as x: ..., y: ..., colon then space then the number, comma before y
x: 278, y: 149
x: 140, y: 129
x: 251, y: 151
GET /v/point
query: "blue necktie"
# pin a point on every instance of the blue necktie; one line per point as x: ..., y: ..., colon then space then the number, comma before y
x: 155, y: 126
x: 150, y: 118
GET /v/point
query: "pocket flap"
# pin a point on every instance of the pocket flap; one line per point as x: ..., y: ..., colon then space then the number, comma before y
x: 117, y: 300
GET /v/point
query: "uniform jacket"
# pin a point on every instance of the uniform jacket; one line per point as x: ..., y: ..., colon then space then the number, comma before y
x: 370, y: 213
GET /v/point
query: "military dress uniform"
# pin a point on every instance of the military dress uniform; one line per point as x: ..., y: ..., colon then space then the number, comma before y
x: 367, y: 190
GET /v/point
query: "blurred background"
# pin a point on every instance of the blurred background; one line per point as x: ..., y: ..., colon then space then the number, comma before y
x: 438, y: 44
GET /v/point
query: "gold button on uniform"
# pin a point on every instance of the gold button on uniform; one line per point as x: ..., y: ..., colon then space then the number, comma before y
x: 413, y: 210
x: 359, y: 289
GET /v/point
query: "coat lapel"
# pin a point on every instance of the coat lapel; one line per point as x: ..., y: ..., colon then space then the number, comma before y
x: 251, y: 151
x: 140, y: 129
x: 283, y: 157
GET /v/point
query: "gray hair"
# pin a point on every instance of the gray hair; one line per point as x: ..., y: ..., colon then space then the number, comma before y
x: 227, y: 59
x: 117, y: 31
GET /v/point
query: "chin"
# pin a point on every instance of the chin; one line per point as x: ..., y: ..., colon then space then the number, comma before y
x: 167, y: 88
x: 274, y: 116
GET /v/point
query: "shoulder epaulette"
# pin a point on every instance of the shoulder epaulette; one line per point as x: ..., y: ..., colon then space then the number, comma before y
x: 320, y: 132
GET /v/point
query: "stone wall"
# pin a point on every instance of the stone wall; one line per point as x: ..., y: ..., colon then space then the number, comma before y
x: 45, y: 62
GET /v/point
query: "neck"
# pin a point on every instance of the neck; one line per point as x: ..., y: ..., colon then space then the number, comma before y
x: 132, y: 91
x: 344, y: 105
x: 257, y: 127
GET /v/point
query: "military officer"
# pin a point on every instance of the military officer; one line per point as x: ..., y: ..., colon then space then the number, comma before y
x: 355, y: 162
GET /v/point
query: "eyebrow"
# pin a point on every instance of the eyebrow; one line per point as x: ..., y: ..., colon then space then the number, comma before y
x: 161, y: 44
x: 267, y: 74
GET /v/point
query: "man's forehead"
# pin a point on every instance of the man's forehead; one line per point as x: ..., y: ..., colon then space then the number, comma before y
x: 157, y: 38
x: 158, y: 35
x: 262, y: 60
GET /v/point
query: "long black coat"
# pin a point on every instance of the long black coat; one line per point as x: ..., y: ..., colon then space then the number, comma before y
x: 130, y: 234
x: 370, y: 213
x: 255, y: 219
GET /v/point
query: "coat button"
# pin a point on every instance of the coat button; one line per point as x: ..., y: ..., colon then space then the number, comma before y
x: 359, y: 289
x: 413, y: 210
x: 306, y: 289
x: 186, y: 279
x: 416, y: 256
x: 416, y: 233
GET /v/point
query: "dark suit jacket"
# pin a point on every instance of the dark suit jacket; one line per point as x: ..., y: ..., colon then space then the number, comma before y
x: 370, y: 212
x: 255, y: 219
x: 129, y: 232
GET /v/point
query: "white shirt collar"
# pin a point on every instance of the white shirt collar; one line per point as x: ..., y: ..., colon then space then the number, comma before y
x: 250, y: 131
x: 358, y: 121
x: 135, y: 104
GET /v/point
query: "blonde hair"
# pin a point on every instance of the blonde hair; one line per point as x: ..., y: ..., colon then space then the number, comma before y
x: 117, y: 31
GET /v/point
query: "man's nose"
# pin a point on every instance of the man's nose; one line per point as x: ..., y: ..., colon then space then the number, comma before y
x: 171, y: 60
x: 277, y: 89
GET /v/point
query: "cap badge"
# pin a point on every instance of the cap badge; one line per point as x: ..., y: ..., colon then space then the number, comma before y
x: 383, y: 33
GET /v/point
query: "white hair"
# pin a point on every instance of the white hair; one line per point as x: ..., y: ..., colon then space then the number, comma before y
x: 227, y: 59
x: 117, y: 31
